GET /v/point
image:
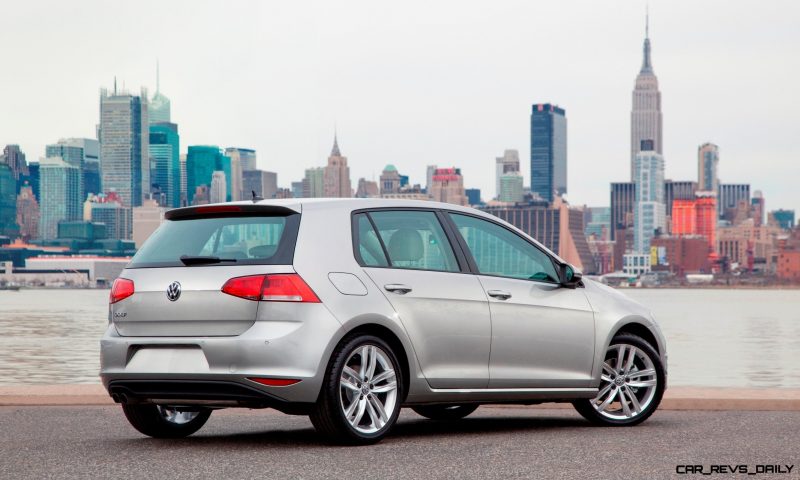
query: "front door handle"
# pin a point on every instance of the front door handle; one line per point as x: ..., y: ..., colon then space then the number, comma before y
x: 499, y: 294
x: 397, y: 288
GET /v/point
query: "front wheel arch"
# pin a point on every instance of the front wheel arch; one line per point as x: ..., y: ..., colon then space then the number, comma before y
x: 641, y: 331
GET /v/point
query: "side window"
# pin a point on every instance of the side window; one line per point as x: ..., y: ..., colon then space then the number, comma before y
x: 369, y: 247
x: 500, y: 252
x: 414, y: 239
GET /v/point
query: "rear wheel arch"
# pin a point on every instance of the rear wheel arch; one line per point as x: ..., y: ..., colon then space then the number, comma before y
x: 389, y: 337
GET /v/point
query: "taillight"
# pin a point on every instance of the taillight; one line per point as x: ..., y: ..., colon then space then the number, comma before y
x: 120, y: 290
x: 283, y: 287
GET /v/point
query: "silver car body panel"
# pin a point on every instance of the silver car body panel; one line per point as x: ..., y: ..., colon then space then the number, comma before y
x: 452, y: 335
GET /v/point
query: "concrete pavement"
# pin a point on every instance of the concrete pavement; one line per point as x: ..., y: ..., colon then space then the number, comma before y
x: 676, y: 398
x: 507, y: 443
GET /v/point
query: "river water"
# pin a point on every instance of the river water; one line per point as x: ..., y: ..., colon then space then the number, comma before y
x: 719, y: 338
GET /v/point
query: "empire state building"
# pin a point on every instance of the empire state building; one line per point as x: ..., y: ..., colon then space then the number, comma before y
x: 646, y: 121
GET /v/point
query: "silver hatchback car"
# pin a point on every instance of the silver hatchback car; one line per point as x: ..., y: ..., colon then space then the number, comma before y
x: 348, y: 309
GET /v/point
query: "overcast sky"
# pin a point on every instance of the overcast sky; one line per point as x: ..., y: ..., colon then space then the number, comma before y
x: 415, y: 83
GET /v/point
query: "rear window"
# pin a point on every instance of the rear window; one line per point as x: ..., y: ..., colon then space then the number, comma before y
x: 232, y: 240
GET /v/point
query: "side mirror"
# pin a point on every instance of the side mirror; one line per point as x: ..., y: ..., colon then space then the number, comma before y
x: 570, y: 276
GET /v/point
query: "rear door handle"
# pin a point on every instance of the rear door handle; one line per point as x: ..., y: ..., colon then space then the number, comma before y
x: 397, y: 288
x: 499, y: 294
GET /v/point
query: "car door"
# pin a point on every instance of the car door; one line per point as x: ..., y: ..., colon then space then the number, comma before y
x: 542, y: 333
x: 445, y: 311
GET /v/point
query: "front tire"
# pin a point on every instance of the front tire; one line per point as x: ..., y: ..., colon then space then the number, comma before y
x: 361, y: 392
x: 631, y: 387
x: 445, y: 412
x: 161, y: 421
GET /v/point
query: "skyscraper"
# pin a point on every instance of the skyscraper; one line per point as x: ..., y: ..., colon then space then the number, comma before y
x: 218, y: 192
x: 337, y: 174
x: 678, y: 190
x: 242, y: 160
x: 429, y: 171
x: 27, y: 213
x: 60, y: 195
x: 314, y: 183
x: 165, y: 167
x: 389, y: 180
x: 8, y: 202
x: 448, y: 186
x: 108, y: 209
x: 201, y: 163
x: 510, y: 190
x: 649, y: 213
x: 78, y: 152
x: 728, y: 198
x: 623, y: 199
x: 646, y: 121
x: 160, y: 106
x: 707, y: 161
x: 264, y: 184
x: 697, y: 216
x: 124, y: 136
x: 247, y: 157
x: 548, y: 151
x: 15, y: 159
x: 508, y: 163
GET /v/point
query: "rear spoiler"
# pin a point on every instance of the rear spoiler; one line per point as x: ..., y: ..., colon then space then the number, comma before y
x: 228, y: 210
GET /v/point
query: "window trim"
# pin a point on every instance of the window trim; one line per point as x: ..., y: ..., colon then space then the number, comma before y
x: 461, y: 259
x: 474, y: 265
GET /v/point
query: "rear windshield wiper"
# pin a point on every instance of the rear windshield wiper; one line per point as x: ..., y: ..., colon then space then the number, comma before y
x: 200, y: 260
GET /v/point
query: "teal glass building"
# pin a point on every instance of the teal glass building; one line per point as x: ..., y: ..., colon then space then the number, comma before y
x: 165, y: 167
x: 201, y: 163
x: 8, y: 202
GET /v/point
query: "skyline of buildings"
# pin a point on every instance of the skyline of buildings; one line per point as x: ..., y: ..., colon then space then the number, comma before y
x: 137, y: 160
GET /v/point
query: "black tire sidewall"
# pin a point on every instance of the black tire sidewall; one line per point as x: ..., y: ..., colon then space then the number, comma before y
x: 331, y: 388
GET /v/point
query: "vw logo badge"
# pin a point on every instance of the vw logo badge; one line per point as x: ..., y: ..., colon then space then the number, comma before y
x: 174, y: 291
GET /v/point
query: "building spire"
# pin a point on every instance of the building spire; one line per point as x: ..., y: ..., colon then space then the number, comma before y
x: 647, y: 65
x: 335, y: 150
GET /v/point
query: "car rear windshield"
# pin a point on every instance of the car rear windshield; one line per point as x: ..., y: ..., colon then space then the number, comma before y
x: 221, y: 240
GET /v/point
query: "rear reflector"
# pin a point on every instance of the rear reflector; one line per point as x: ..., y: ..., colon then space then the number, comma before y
x: 120, y: 290
x: 282, y: 287
x: 274, y: 382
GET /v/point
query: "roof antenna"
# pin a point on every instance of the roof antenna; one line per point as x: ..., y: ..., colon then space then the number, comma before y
x: 256, y: 198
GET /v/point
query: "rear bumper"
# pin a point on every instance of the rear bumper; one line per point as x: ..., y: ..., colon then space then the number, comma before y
x: 214, y: 393
x: 297, y: 348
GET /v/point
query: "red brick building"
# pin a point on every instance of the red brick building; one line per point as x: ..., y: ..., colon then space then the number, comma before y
x: 685, y: 254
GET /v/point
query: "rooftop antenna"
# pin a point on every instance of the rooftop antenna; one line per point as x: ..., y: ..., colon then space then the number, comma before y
x: 647, y: 20
x: 158, y: 78
x: 256, y: 198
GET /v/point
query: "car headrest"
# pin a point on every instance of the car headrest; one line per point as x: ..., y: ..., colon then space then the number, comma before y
x: 406, y: 245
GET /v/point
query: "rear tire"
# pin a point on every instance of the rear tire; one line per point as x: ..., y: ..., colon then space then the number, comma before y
x: 361, y: 392
x: 632, y: 384
x: 445, y: 412
x: 159, y: 421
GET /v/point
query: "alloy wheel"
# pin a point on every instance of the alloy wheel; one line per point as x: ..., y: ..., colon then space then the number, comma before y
x: 628, y: 383
x: 368, y: 389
